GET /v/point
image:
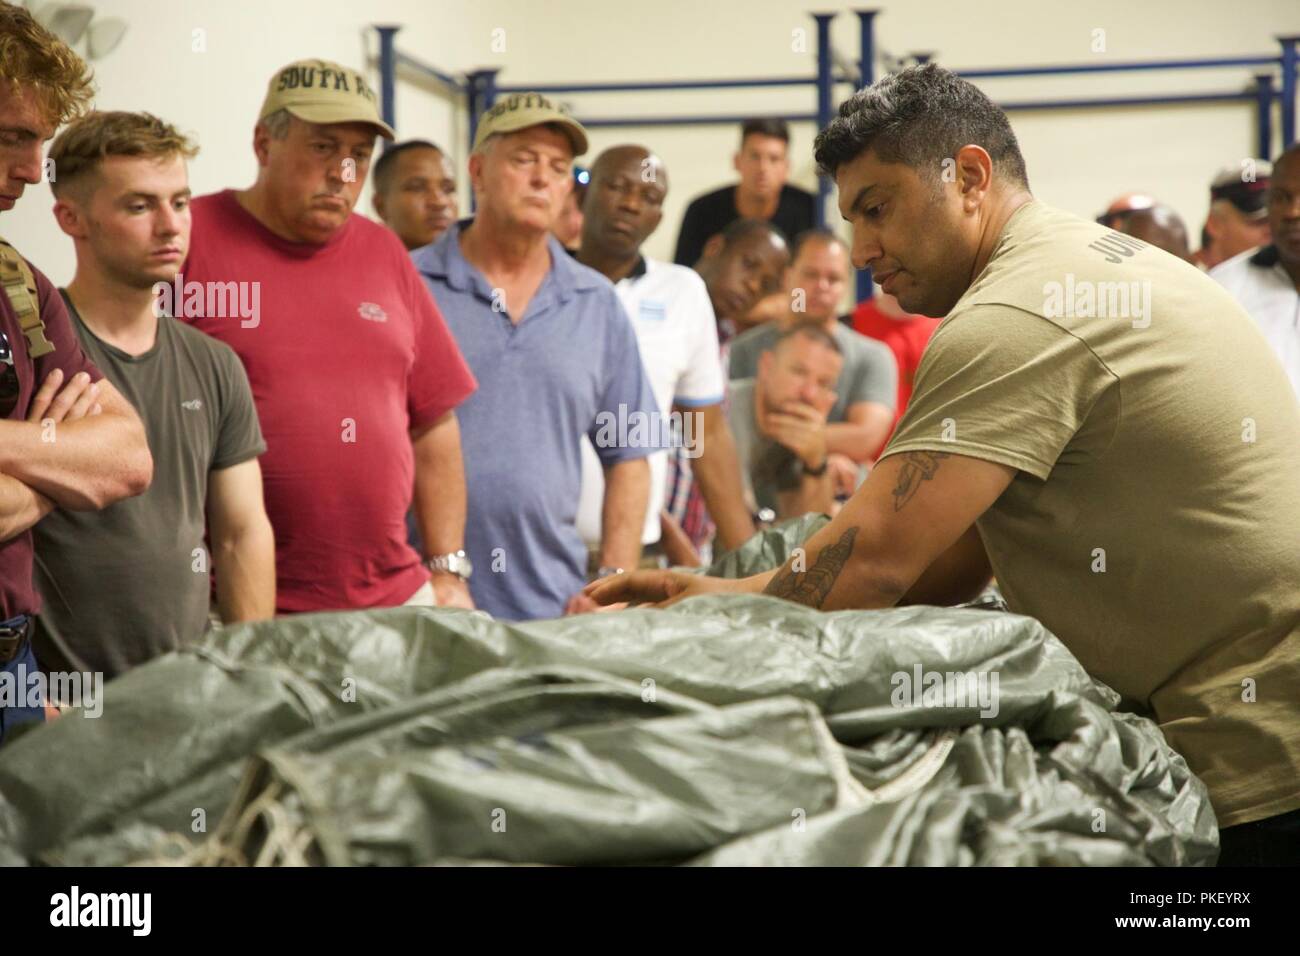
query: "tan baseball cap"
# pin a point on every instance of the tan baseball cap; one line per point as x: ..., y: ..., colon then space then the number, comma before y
x: 522, y: 110
x: 319, y: 91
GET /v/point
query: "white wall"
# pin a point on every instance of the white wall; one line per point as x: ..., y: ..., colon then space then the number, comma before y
x: 1078, y: 160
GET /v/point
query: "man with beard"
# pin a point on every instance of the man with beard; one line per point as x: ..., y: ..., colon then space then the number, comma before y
x: 1130, y: 472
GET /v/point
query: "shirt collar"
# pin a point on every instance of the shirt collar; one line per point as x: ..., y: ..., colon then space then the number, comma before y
x: 443, y: 259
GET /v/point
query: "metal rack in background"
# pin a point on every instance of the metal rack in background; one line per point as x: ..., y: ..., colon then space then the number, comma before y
x: 1274, y: 83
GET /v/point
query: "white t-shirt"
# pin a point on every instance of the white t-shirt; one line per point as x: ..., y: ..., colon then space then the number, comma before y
x: 678, y: 338
x: 1257, y: 280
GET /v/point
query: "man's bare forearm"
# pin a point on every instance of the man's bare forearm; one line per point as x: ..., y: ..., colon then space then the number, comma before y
x: 83, y: 465
x: 627, y: 496
x: 245, y: 562
x: 21, y: 506
x: 718, y: 472
x: 440, y: 499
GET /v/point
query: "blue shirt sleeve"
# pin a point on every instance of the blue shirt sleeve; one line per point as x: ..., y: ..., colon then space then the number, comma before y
x: 628, y: 423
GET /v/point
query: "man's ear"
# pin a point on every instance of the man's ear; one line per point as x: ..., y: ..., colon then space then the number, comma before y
x: 735, y: 161
x: 70, y: 219
x: 377, y: 200
x: 765, y: 360
x: 261, y: 144
x: 713, y: 246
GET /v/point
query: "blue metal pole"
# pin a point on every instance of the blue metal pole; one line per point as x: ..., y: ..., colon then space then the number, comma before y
x: 867, y: 72
x: 867, y: 46
x: 388, y: 77
x: 825, y: 91
x: 1264, y: 111
x: 489, y: 88
x: 1289, y: 63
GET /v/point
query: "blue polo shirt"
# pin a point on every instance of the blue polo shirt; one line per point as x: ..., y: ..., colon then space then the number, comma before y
x: 569, y: 368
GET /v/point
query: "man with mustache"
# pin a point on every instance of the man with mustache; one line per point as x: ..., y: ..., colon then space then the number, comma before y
x: 355, y: 374
x: 1130, y: 470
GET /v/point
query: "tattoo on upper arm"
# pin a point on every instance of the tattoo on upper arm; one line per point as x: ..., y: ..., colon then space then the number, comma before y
x: 918, y: 466
x: 812, y: 586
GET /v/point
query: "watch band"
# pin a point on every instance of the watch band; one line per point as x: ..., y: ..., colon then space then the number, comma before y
x: 819, y: 470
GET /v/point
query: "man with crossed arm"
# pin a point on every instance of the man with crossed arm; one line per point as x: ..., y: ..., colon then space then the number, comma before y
x: 1157, y: 536
x: 48, y: 387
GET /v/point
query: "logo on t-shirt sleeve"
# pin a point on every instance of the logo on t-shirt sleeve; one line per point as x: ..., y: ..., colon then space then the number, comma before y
x: 371, y: 311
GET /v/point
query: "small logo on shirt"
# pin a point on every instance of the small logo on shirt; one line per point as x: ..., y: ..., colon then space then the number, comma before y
x: 653, y: 312
x: 193, y: 404
x: 372, y: 312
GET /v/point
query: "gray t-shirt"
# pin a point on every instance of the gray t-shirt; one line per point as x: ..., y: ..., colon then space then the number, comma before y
x: 130, y: 582
x: 766, y: 467
x: 870, y: 372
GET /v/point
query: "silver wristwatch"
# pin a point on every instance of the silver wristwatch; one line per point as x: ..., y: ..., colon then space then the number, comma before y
x: 456, y: 563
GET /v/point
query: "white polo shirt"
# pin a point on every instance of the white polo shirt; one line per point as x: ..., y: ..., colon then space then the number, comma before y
x: 678, y: 338
x: 1257, y: 280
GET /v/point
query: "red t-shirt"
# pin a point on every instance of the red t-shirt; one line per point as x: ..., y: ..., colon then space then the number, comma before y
x: 17, y: 593
x: 906, y: 337
x: 346, y: 353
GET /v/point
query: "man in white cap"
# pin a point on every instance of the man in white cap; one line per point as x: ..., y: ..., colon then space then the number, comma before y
x: 355, y: 375
x: 556, y: 358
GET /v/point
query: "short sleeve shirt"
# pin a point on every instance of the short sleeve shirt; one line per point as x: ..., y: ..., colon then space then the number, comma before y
x: 103, y: 613
x: 678, y: 338
x: 1154, y: 525
x: 346, y: 355
x: 1267, y: 292
x: 568, y: 371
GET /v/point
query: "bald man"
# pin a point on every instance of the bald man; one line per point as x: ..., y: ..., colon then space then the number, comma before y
x: 1159, y: 226
x: 677, y: 335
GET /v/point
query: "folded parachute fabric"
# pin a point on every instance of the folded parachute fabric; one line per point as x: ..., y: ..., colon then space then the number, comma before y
x: 726, y: 730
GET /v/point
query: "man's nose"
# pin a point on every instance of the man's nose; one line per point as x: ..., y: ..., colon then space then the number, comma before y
x: 30, y: 165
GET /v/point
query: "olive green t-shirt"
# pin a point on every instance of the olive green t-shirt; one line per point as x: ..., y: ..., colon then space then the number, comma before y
x: 1154, y: 523
x: 125, y: 584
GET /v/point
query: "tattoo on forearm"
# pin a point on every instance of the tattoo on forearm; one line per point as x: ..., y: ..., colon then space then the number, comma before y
x: 812, y: 586
x: 918, y: 466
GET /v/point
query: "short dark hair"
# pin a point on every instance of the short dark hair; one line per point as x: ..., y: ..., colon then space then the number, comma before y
x: 744, y: 228
x: 815, y: 234
x: 809, y: 329
x: 920, y: 116
x: 768, y: 126
x: 384, y: 166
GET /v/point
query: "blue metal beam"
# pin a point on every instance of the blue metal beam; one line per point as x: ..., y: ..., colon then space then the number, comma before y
x: 1130, y: 65
x: 1264, y: 98
x: 595, y: 122
x: 825, y: 91
x: 867, y: 76
x: 387, y: 76
x: 1289, y: 63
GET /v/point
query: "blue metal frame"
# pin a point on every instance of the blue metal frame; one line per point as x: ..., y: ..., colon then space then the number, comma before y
x: 481, y: 89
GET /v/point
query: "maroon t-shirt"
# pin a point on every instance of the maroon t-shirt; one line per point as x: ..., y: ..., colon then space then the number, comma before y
x: 17, y: 594
x: 346, y: 353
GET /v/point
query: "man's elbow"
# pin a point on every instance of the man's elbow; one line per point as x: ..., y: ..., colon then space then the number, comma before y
x: 133, y: 475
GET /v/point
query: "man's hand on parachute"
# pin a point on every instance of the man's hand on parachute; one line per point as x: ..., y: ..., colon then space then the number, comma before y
x: 658, y: 588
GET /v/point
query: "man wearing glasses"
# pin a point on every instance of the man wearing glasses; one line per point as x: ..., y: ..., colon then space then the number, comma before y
x: 67, y: 438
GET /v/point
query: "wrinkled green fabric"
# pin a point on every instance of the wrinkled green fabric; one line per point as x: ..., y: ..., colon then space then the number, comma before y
x: 726, y: 730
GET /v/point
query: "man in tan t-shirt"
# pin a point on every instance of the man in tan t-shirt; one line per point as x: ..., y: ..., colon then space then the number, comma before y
x: 1095, y: 421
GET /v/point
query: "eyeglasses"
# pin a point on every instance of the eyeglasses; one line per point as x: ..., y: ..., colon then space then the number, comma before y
x: 9, y: 384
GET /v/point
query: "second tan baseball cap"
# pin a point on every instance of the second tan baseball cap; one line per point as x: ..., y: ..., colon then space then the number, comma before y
x: 522, y: 110
x: 319, y: 91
